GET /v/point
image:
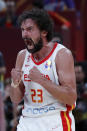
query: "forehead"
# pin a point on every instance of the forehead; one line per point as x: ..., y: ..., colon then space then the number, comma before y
x: 28, y: 23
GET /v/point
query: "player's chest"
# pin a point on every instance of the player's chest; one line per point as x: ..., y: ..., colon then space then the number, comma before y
x: 45, y: 68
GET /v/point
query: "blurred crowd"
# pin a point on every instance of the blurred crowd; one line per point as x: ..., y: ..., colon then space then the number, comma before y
x: 9, y: 14
x: 9, y: 113
x: 80, y: 112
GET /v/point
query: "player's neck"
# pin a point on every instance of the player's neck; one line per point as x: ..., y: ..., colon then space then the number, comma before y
x: 40, y: 55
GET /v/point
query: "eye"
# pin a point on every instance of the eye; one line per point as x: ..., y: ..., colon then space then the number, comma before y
x: 29, y: 28
x: 22, y: 29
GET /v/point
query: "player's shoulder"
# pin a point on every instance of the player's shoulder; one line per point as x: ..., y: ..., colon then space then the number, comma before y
x: 64, y: 57
x: 22, y: 52
x: 64, y: 51
x: 64, y: 54
x: 20, y: 57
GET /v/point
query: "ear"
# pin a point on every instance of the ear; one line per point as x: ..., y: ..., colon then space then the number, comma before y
x: 44, y: 33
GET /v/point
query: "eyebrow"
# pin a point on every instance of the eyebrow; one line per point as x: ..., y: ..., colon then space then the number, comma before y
x: 29, y: 27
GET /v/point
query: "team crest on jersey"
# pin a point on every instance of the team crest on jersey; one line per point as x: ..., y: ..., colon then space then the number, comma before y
x: 48, y: 65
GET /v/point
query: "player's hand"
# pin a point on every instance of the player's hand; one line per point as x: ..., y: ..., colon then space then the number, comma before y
x: 16, y: 75
x: 35, y: 75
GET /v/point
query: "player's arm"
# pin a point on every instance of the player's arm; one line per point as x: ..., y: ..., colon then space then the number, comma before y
x: 66, y: 75
x: 17, y: 92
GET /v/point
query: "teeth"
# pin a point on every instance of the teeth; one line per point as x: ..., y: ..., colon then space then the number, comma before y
x: 28, y: 42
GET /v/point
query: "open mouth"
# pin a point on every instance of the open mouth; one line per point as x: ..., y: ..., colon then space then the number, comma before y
x: 28, y: 41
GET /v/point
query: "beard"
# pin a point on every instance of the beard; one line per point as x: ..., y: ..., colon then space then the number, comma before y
x: 36, y: 46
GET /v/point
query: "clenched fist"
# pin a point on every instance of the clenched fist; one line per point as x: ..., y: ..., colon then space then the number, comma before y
x: 35, y: 75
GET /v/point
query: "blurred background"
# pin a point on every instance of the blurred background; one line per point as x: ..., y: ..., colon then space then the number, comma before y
x: 70, y: 29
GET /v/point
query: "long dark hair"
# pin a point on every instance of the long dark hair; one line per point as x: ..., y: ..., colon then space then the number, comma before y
x: 41, y: 18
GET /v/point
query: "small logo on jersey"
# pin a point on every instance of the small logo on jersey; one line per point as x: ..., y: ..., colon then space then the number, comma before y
x: 48, y: 65
x: 28, y: 58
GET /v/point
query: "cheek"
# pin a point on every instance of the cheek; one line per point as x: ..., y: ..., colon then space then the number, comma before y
x: 36, y: 35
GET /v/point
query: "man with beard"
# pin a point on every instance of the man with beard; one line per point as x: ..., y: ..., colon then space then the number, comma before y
x: 44, y: 75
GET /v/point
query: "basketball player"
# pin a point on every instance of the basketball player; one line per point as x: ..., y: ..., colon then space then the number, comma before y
x: 44, y: 76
